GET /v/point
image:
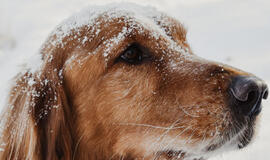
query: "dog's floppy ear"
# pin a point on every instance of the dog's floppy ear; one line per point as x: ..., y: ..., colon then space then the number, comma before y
x: 52, y: 112
x: 37, y: 122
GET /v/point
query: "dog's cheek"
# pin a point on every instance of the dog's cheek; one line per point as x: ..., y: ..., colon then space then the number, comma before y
x: 126, y: 94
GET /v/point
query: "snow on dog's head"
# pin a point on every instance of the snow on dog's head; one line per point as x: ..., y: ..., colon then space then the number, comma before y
x: 120, y: 81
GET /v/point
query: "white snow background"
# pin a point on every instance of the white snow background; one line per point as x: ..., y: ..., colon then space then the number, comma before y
x: 235, y: 32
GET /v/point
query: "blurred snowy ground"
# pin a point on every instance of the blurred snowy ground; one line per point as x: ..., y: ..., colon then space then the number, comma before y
x: 236, y: 32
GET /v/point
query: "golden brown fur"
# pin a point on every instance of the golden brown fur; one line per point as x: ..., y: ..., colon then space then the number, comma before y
x: 87, y: 106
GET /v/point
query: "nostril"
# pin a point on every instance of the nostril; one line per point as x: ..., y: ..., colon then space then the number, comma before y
x: 252, y: 96
x: 265, y: 94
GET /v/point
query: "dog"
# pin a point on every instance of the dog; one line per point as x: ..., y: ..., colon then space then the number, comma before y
x: 120, y: 81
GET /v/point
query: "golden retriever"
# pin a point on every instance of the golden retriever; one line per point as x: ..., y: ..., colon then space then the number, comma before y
x: 121, y: 82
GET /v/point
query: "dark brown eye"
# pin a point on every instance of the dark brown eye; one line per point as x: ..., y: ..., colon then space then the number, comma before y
x: 133, y: 54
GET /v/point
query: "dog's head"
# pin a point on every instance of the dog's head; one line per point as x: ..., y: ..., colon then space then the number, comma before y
x: 135, y: 89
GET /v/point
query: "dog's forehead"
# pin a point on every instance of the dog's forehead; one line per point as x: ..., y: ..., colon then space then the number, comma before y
x: 139, y: 18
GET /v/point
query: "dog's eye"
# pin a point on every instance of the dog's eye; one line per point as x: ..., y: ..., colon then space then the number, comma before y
x: 133, y: 55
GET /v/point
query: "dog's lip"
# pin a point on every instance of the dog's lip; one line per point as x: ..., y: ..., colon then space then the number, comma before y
x: 179, y: 154
x: 240, y: 139
x: 245, y: 138
x: 215, y: 146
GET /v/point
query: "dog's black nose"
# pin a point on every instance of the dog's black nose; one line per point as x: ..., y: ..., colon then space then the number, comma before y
x: 247, y: 94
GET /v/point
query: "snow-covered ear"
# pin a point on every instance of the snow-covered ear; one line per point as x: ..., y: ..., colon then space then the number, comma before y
x: 51, y: 113
x: 37, y: 121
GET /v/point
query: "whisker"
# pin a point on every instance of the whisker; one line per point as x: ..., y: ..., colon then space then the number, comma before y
x: 166, y: 132
x: 191, y: 115
x: 76, y: 147
x: 148, y: 125
x: 179, y: 134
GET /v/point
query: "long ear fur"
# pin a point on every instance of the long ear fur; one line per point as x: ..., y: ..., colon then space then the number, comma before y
x: 36, y: 124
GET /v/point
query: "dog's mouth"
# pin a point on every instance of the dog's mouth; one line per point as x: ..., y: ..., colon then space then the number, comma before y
x: 176, y: 155
x: 171, y: 154
x: 237, y: 137
x: 239, y: 141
